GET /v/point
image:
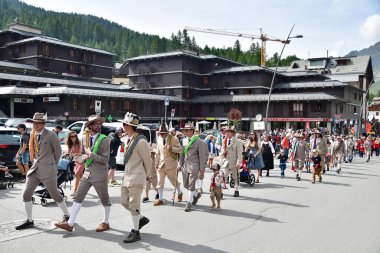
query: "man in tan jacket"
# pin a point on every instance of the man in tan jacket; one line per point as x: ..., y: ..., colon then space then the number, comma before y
x: 47, y: 152
x: 192, y: 160
x: 168, y: 151
x: 97, y: 151
x: 138, y: 164
x: 231, y: 156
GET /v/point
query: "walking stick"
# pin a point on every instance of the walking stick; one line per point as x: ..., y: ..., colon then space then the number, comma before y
x: 175, y: 187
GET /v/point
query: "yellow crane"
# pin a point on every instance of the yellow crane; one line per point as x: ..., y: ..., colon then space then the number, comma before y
x: 263, y: 37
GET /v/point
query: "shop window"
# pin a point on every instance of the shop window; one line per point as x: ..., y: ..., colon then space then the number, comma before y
x: 76, y: 104
x: 297, y: 110
x: 113, y: 105
x: 45, y: 50
x: 127, y: 105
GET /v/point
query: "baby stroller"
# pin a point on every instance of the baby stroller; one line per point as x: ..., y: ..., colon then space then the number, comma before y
x: 6, y: 180
x: 65, y: 174
x: 245, y: 175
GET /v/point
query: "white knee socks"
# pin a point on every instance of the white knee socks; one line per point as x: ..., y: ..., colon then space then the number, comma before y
x: 107, y: 210
x: 191, y: 196
x: 74, y: 212
x: 136, y: 221
x: 179, y: 189
x: 161, y: 193
x: 200, y: 184
x: 63, y: 207
x: 28, y: 210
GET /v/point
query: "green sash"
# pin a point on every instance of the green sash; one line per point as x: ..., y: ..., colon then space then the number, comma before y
x: 194, y: 138
x: 95, y: 149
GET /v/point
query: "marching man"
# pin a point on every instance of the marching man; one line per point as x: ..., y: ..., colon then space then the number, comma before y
x: 231, y: 156
x: 300, y: 152
x: 192, y: 160
x: 138, y: 164
x: 338, y: 152
x: 168, y: 151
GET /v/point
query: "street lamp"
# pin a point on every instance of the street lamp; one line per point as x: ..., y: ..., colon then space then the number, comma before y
x: 275, y: 72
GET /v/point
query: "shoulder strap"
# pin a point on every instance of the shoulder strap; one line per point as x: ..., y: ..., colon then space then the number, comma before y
x: 132, y: 147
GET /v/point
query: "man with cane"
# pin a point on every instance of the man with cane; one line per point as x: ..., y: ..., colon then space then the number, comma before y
x: 168, y: 150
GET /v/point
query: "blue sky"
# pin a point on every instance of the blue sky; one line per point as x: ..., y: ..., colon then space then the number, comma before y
x: 338, y: 26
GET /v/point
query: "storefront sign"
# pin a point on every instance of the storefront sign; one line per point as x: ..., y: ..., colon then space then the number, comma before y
x: 23, y: 100
x: 50, y: 99
x: 259, y: 125
x: 299, y: 119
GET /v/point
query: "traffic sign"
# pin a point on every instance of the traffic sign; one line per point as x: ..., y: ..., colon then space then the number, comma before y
x: 166, y: 101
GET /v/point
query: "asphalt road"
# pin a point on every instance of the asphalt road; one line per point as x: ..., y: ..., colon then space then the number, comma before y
x: 341, y: 214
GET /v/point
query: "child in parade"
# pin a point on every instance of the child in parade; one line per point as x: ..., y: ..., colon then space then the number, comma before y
x: 283, y: 159
x: 216, y: 185
x: 317, y: 165
x: 307, y: 164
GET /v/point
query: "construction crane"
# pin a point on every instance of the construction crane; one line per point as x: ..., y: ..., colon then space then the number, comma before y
x: 263, y: 37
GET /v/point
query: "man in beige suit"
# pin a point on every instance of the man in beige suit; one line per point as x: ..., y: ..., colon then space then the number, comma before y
x: 192, y: 160
x: 47, y: 152
x: 168, y: 151
x: 300, y: 152
x: 97, y: 151
x: 138, y: 164
x: 231, y: 156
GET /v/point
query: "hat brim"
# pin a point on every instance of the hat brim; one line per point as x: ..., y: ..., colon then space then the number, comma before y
x: 95, y: 120
x: 36, y: 120
x: 128, y: 123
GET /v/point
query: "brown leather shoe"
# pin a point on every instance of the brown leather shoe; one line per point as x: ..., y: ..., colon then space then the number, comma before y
x: 179, y: 197
x: 102, y: 227
x: 158, y: 202
x: 65, y: 226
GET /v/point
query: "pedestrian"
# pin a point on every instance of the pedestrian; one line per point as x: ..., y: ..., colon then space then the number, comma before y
x: 283, y: 159
x: 267, y: 152
x: 285, y: 143
x: 168, y: 151
x: 57, y: 129
x: 319, y: 142
x: 300, y: 152
x: 216, y: 187
x: 97, y: 150
x: 192, y: 160
x: 349, y: 146
x: 137, y: 168
x: 201, y: 175
x: 46, y: 155
x: 377, y: 146
x: 317, y: 169
x: 231, y: 157
x: 115, y: 143
x: 152, y: 180
x: 211, y: 149
x: 22, y: 155
x: 74, y: 150
x: 338, y: 151
x: 255, y: 159
x: 368, y: 148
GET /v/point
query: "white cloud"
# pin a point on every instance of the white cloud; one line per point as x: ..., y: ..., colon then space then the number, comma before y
x: 370, y: 29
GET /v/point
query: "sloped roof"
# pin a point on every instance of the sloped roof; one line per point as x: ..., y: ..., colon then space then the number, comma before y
x: 57, y: 42
x: 313, y: 84
x: 17, y: 65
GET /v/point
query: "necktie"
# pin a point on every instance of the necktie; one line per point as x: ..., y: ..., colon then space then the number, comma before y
x: 229, y: 142
x: 91, y: 141
x: 315, y: 143
x: 38, y: 138
x: 164, y: 139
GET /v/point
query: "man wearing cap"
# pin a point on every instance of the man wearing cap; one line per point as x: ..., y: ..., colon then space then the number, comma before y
x: 168, y: 151
x: 46, y: 155
x: 138, y: 164
x: 97, y: 151
x: 114, y: 146
x: 338, y: 151
x: 319, y: 143
x: 192, y: 160
x: 300, y: 152
x: 231, y: 157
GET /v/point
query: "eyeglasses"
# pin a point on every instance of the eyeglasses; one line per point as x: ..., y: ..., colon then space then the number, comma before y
x: 97, y: 125
x: 73, y: 136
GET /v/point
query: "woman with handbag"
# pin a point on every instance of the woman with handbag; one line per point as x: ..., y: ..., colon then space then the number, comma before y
x: 74, y: 148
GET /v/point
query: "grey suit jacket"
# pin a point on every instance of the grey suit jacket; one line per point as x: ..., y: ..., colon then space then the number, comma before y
x: 98, y: 169
x: 47, y: 158
x: 195, y: 158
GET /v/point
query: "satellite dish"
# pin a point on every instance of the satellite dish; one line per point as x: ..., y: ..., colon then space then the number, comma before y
x: 259, y: 117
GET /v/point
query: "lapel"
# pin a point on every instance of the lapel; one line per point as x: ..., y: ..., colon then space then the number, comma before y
x: 43, y: 135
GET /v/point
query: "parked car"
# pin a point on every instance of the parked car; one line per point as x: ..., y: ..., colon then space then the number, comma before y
x: 2, y: 121
x: 9, y: 144
x: 13, y: 122
x: 62, y: 139
x: 107, y: 127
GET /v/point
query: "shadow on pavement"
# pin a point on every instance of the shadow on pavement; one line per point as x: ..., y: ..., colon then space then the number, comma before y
x: 269, y: 201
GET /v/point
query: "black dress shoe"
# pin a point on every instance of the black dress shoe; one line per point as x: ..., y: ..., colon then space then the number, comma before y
x: 26, y: 224
x: 146, y: 199
x: 157, y: 196
x: 196, y: 198
x: 133, y: 236
x: 236, y: 194
x: 143, y: 221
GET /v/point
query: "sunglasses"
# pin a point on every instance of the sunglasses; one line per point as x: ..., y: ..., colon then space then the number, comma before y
x: 73, y: 136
